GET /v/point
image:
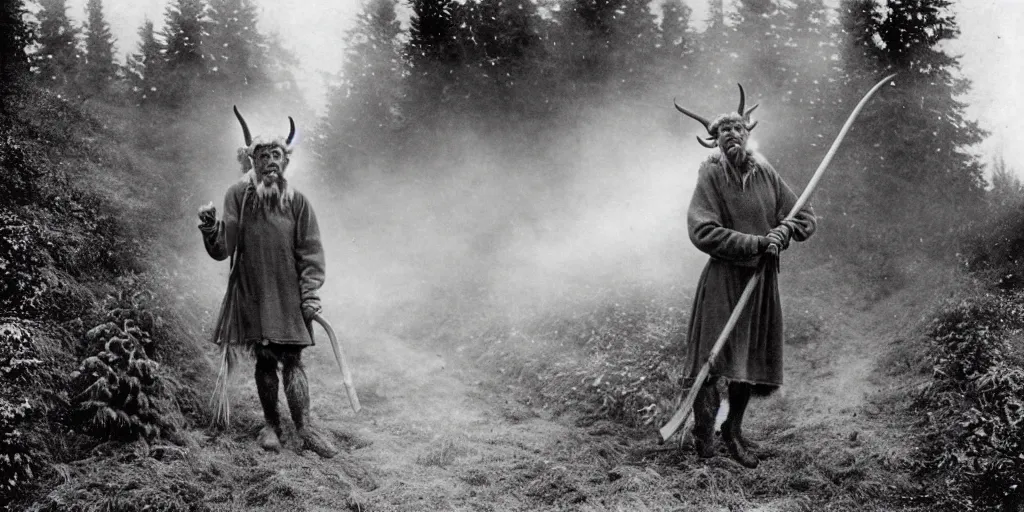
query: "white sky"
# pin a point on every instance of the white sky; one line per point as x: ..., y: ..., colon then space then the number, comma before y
x: 991, y: 44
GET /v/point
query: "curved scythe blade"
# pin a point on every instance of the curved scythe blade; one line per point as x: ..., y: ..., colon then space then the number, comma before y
x: 346, y: 370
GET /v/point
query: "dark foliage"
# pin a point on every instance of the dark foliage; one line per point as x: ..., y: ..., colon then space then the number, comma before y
x: 973, y: 411
x: 16, y: 34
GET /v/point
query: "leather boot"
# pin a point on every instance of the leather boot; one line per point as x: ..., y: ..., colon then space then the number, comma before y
x: 296, y: 390
x: 266, y: 388
x: 704, y: 408
x: 739, y: 397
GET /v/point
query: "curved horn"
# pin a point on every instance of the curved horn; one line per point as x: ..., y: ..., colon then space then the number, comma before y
x: 743, y: 100
x: 245, y: 127
x: 749, y: 110
x: 750, y: 127
x: 709, y: 145
x: 705, y: 122
x: 291, y: 131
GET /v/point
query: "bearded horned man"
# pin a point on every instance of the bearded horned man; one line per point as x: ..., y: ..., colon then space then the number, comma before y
x: 270, y: 233
x: 738, y: 216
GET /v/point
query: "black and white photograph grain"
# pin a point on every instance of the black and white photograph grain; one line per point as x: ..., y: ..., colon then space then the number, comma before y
x: 511, y: 255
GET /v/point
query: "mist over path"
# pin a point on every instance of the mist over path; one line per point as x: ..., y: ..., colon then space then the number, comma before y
x: 437, y: 433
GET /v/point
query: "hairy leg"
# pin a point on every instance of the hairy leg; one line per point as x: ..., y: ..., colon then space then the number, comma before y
x: 266, y: 388
x: 296, y: 386
x: 296, y: 389
x: 705, y: 406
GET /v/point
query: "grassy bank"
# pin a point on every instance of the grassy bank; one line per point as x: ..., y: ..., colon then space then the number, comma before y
x: 92, y: 347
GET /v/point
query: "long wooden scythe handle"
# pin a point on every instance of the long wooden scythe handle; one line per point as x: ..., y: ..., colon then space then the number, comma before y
x: 683, y: 414
x: 339, y: 355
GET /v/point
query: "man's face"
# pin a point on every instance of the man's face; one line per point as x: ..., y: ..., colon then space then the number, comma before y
x: 732, y: 138
x: 270, y: 163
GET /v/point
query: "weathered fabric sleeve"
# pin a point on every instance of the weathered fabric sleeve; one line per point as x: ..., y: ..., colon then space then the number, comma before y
x: 706, y: 227
x: 804, y: 222
x: 221, y: 239
x: 309, y: 255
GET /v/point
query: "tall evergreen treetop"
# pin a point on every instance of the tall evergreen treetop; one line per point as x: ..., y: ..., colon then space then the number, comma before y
x: 16, y: 34
x: 145, y: 66
x: 100, y: 68
x: 57, y: 58
x: 236, y: 50
x: 183, y: 34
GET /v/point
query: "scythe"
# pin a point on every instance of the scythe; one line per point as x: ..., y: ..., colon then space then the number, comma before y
x: 682, y: 415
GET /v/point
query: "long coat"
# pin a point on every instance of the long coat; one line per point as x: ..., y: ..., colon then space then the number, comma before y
x: 729, y: 213
x: 279, y: 266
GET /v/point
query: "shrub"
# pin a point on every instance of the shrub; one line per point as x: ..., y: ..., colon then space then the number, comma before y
x: 17, y: 361
x: 21, y: 257
x: 20, y: 182
x: 124, y: 395
x: 973, y: 407
x: 15, y: 460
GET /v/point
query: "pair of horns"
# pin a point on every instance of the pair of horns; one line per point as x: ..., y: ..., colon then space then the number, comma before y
x: 744, y: 113
x: 248, y: 136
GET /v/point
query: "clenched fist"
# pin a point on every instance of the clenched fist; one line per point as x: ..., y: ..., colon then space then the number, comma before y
x: 207, y: 216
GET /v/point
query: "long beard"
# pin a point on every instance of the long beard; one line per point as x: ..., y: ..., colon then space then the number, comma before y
x: 737, y: 155
x: 276, y: 196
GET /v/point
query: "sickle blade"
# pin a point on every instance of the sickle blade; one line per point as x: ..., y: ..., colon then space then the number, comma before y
x: 346, y: 371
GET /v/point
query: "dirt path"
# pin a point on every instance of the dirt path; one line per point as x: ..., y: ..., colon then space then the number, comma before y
x: 437, y: 434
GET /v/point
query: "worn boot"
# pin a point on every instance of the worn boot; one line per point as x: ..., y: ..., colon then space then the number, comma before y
x: 296, y: 390
x: 739, y: 397
x: 266, y: 388
x: 704, y: 408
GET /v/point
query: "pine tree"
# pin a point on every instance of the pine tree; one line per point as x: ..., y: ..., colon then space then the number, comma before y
x: 498, y: 44
x: 16, y: 34
x: 100, y: 68
x: 676, y: 36
x: 57, y: 58
x: 434, y: 55
x: 801, y: 99
x: 183, y: 34
x: 145, y: 67
x: 925, y: 130
x: 235, y: 49
x: 906, y: 164
x: 606, y: 42
x: 363, y: 116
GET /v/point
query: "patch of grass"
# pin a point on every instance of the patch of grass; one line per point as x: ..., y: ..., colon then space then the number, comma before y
x: 443, y: 453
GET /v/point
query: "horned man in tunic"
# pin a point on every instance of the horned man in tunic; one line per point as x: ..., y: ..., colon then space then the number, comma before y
x: 269, y: 231
x: 737, y: 216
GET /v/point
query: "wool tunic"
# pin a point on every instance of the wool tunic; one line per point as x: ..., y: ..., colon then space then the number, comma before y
x: 729, y: 214
x: 280, y: 266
